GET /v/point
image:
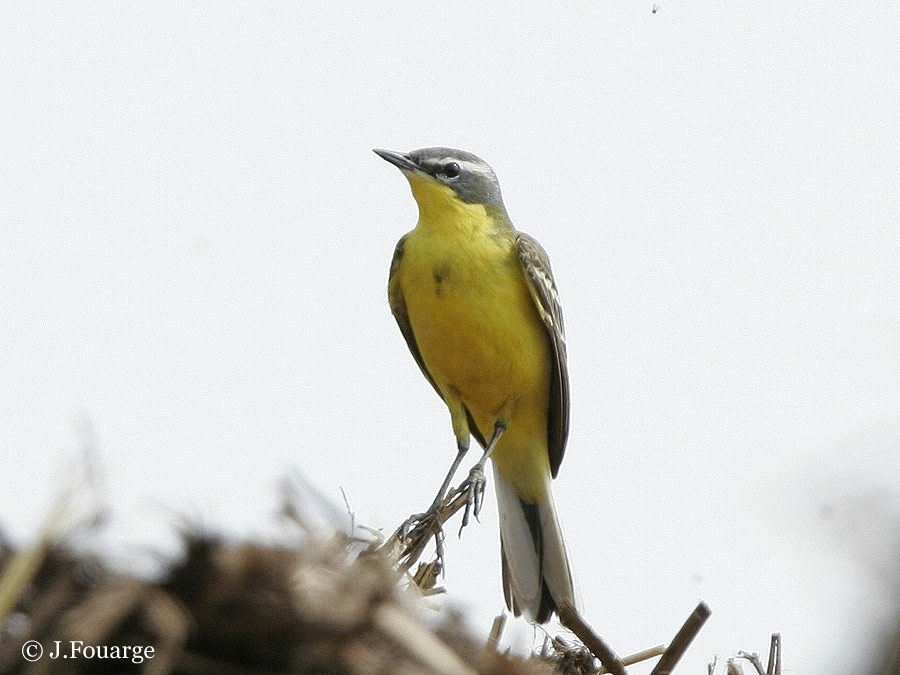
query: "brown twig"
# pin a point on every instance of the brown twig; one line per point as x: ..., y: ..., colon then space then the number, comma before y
x: 774, y: 665
x: 682, y: 640
x: 571, y: 619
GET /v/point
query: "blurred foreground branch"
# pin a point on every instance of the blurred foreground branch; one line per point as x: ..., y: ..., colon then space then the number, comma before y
x: 315, y: 605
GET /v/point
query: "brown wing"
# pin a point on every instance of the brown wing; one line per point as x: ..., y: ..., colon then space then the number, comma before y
x: 536, y: 265
x: 398, y: 309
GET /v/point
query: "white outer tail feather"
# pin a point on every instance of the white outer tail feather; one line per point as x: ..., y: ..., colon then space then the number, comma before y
x: 525, y: 573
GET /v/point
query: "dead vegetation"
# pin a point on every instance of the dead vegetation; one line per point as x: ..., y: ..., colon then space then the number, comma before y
x: 239, y: 608
x: 321, y: 604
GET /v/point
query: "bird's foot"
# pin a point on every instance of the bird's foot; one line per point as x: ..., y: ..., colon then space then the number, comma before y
x: 420, y: 526
x: 473, y: 488
x: 421, y: 523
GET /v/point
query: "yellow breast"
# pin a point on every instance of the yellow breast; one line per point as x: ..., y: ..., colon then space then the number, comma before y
x: 477, y: 329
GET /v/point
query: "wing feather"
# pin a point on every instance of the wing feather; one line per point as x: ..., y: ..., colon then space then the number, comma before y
x: 536, y: 265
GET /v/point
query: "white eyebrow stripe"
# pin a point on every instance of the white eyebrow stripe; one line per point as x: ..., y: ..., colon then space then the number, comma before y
x: 475, y: 167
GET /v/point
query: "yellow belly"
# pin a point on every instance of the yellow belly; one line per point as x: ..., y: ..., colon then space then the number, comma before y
x: 482, y: 341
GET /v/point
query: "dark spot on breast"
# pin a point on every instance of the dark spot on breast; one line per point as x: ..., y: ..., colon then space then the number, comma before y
x: 440, y: 274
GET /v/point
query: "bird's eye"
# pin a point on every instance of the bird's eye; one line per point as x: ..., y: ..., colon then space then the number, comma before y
x: 451, y: 170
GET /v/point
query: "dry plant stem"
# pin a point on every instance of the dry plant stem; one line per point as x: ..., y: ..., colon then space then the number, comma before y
x: 570, y: 618
x: 637, y: 657
x: 754, y: 659
x: 643, y: 655
x: 426, y: 577
x: 682, y: 640
x: 23, y: 566
x: 774, y: 665
x: 17, y: 574
x: 496, y: 632
x: 420, y: 642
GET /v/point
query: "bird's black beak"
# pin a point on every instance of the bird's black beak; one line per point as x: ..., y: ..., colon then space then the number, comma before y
x: 398, y: 159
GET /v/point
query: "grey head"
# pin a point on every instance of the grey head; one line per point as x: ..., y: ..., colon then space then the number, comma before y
x: 467, y: 175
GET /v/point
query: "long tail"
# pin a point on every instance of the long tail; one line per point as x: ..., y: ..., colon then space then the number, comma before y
x: 536, y: 574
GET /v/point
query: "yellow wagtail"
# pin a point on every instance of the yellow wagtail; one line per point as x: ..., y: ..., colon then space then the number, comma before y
x: 477, y: 305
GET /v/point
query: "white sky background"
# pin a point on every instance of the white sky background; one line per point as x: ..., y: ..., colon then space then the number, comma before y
x: 194, y: 246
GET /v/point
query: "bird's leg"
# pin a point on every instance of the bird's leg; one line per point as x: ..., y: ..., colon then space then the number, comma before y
x: 418, y: 528
x: 430, y: 518
x: 473, y: 486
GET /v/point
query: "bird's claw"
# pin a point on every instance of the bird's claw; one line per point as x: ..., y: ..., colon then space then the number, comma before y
x: 421, y: 524
x: 473, y: 487
x: 410, y: 524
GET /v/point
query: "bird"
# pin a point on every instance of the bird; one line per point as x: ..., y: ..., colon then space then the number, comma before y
x: 477, y: 304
